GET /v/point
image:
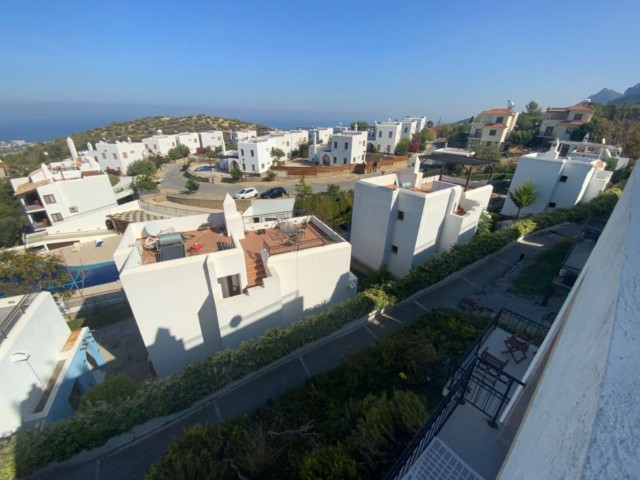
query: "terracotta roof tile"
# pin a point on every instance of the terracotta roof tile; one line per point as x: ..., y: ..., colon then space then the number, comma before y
x: 29, y: 187
x: 581, y: 107
x: 498, y: 111
x: 497, y: 125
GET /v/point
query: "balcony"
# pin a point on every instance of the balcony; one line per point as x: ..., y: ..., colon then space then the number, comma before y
x: 33, y: 207
x: 467, y: 427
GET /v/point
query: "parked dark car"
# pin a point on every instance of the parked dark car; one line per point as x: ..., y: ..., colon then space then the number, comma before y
x: 274, y: 192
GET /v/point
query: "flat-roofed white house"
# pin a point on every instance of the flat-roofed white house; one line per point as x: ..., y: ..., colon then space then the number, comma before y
x: 204, y: 283
x: 189, y: 139
x: 242, y: 136
x: 322, y: 135
x: 254, y: 155
x: 118, y: 156
x: 349, y: 146
x: 560, y: 122
x: 402, y: 224
x: 491, y: 128
x: 346, y: 147
x: 387, y: 136
x: 212, y: 139
x: 159, y: 144
x: 412, y: 125
x: 44, y: 366
x: 569, y: 173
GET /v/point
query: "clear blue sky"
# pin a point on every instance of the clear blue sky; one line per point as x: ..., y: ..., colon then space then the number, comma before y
x: 286, y: 59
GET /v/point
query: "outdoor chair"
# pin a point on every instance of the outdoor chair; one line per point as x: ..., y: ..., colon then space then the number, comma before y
x: 517, y: 343
x: 490, y: 367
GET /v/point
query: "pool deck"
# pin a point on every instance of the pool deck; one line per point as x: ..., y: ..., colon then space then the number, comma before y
x: 88, y: 253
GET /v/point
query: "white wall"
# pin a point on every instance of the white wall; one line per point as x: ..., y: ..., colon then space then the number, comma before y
x: 242, y: 135
x: 348, y: 147
x: 159, y: 144
x: 213, y: 139
x: 119, y: 155
x: 41, y: 332
x: 387, y: 136
x: 255, y: 156
x: 191, y: 140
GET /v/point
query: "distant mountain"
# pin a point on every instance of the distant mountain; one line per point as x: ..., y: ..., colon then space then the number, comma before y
x: 630, y: 95
x: 605, y: 95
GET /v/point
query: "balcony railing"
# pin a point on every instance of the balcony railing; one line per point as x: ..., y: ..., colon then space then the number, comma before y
x: 13, y: 317
x: 33, y: 207
x: 294, y: 246
x: 477, y: 382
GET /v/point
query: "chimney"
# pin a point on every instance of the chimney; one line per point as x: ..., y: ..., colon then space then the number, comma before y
x: 72, y: 148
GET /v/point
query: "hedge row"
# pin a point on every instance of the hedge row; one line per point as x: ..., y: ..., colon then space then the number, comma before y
x: 25, y: 452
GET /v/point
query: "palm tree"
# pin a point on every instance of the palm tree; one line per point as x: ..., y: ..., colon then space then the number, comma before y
x: 523, y: 195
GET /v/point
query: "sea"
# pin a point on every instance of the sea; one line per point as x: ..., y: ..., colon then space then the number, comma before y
x: 42, y: 130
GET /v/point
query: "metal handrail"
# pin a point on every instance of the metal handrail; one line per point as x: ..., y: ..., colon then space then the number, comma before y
x: 15, y: 314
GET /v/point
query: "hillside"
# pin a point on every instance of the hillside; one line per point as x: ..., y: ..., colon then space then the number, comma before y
x: 607, y: 96
x: 23, y: 162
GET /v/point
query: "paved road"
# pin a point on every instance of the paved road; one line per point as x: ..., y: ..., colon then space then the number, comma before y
x: 174, y: 180
x: 133, y: 460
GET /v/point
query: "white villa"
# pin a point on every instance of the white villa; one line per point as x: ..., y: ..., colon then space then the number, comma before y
x: 411, y: 125
x: 242, y: 136
x: 402, y: 223
x: 560, y: 122
x: 491, y: 128
x: 117, y: 156
x: 569, y: 173
x: 387, y: 136
x: 190, y: 139
x: 346, y: 147
x: 254, y: 155
x: 212, y: 138
x: 320, y: 135
x: 44, y: 366
x: 159, y: 144
x: 203, y: 283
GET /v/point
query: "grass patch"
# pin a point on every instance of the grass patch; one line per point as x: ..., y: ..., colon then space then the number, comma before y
x: 101, y: 317
x: 536, y: 277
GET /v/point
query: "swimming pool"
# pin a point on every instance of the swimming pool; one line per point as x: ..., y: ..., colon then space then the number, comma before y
x: 92, y: 275
x: 203, y: 168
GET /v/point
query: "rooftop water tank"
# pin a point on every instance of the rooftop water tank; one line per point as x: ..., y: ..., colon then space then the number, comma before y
x: 168, y: 239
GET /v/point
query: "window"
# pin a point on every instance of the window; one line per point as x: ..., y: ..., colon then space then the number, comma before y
x: 344, y: 161
x: 253, y: 168
x: 390, y: 134
x: 124, y: 155
x: 488, y: 144
x: 388, y: 148
x: 380, y: 134
x: 49, y: 199
x: 552, y: 204
x: 335, y: 144
x: 252, y: 153
x: 394, y: 249
x: 400, y: 215
x: 346, y: 145
x: 335, y: 160
x: 262, y: 165
x: 406, y: 129
x: 492, y: 133
x: 104, y: 155
x: 287, y: 144
x: 563, y: 179
x: 500, y: 120
x: 478, y: 132
x: 115, y: 156
x: 56, y: 217
x: 242, y: 151
x: 577, y: 116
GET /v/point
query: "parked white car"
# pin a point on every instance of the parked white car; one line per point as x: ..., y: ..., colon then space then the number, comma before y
x: 246, y: 193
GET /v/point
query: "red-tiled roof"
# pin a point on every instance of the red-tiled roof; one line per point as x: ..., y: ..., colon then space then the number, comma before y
x: 580, y: 106
x: 496, y: 125
x: 29, y: 186
x: 498, y: 111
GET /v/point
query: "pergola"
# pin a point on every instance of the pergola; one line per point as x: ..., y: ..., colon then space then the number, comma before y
x: 467, y: 163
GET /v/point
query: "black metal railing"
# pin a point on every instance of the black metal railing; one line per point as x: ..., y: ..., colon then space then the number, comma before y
x: 15, y: 314
x: 519, y: 324
x: 294, y: 246
x: 437, y: 420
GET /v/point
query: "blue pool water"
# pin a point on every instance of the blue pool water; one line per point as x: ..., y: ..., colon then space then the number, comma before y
x: 92, y: 275
x: 204, y: 168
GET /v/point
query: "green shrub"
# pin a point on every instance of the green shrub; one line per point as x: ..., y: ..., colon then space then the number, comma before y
x: 112, y: 391
x: 59, y: 441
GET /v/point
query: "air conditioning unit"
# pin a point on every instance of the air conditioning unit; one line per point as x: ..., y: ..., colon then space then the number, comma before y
x: 73, y: 209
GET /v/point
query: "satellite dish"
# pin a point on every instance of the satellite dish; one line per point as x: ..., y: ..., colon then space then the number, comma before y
x: 152, y: 229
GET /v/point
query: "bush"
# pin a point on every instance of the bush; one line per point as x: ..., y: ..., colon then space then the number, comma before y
x: 236, y: 174
x: 59, y: 441
x: 192, y: 185
x: 112, y: 391
x: 269, y: 175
